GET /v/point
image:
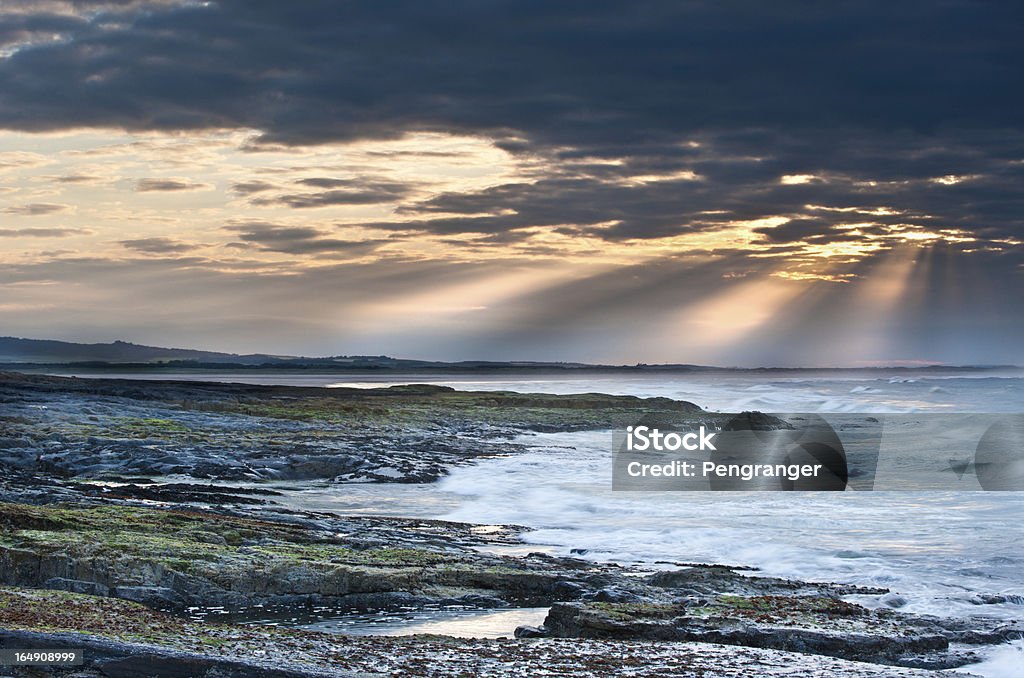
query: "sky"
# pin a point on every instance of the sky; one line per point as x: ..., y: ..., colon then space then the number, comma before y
x: 727, y: 183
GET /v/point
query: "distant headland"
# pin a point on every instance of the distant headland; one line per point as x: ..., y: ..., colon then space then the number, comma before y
x: 21, y: 353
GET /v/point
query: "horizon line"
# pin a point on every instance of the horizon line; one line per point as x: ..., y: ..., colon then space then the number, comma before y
x: 568, y: 364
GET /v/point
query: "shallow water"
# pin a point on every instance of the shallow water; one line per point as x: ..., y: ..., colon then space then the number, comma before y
x: 495, y: 623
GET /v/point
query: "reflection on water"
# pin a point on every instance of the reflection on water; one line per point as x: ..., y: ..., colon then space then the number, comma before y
x: 460, y: 622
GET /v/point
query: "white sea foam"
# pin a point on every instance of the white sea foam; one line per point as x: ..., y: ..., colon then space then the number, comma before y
x: 943, y: 552
x: 1002, y: 661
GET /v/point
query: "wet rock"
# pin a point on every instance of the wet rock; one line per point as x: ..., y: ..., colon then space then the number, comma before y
x: 998, y: 599
x: 116, y: 659
x: 76, y: 586
x: 893, y: 600
x: 159, y: 597
x: 182, y: 493
x: 698, y: 579
x: 756, y: 421
x: 475, y: 600
x: 615, y: 595
x: 569, y: 590
x: 303, y: 467
x: 814, y: 629
x: 532, y: 632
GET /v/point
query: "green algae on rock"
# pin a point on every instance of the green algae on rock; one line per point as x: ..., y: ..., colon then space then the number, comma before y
x: 176, y: 559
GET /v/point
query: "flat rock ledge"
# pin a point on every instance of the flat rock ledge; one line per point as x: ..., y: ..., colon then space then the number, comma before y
x: 320, y: 655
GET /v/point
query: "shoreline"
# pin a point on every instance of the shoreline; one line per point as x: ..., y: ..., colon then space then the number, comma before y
x: 152, y: 547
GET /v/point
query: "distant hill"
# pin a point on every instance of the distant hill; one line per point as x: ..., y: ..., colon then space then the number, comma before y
x: 44, y: 352
x: 47, y: 354
x: 15, y: 350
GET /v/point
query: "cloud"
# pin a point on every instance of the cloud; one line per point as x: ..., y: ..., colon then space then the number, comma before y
x: 42, y: 232
x: 168, y: 185
x: 158, y: 245
x: 352, y: 70
x: 37, y: 209
x: 848, y: 95
x: 298, y: 240
x: 21, y: 160
x: 251, y: 187
x: 78, y: 178
x: 766, y: 139
x: 341, y: 192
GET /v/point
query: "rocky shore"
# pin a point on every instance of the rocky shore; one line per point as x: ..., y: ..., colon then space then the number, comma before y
x: 152, y: 645
x: 109, y: 428
x: 95, y: 553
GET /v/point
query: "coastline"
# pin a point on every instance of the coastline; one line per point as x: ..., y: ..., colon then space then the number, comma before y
x: 172, y: 547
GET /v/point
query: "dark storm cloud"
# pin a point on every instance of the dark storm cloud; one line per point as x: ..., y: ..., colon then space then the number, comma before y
x: 969, y: 186
x: 853, y: 92
x: 24, y: 28
x: 563, y: 72
x: 795, y: 230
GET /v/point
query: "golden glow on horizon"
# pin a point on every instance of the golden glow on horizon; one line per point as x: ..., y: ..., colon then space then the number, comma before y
x: 97, y: 188
x: 222, y: 203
